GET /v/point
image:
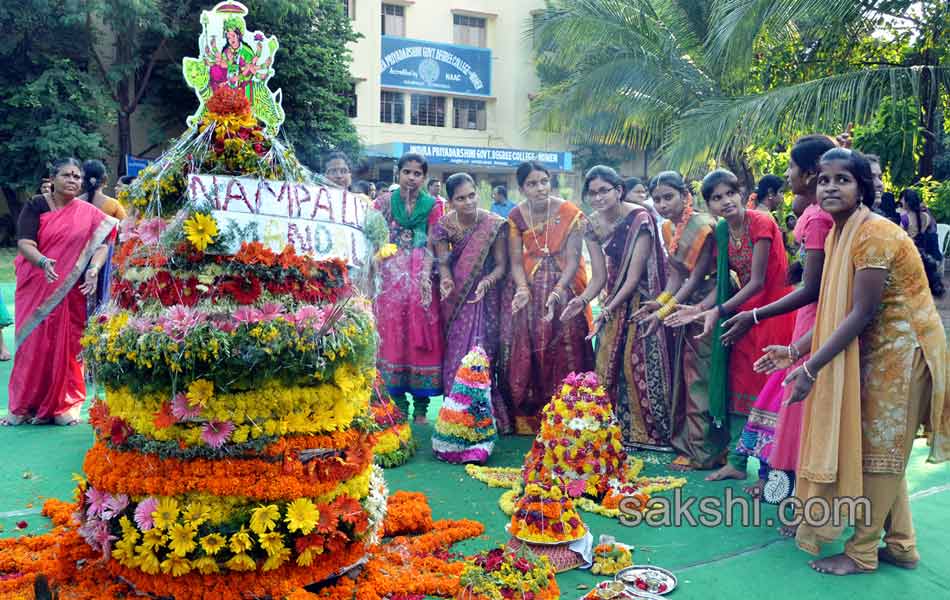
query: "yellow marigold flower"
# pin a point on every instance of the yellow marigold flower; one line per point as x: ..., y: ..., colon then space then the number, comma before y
x: 305, y: 558
x: 205, y: 565
x: 212, y: 543
x: 129, y: 531
x: 275, y: 560
x: 302, y: 515
x: 148, y: 562
x: 240, y: 542
x: 264, y: 518
x: 181, y: 539
x: 241, y: 562
x: 200, y: 230
x: 176, y: 565
x: 196, y: 513
x: 166, y: 513
x: 199, y: 392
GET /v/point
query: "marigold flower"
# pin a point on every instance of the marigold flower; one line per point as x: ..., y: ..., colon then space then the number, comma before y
x: 212, y: 543
x: 176, y: 566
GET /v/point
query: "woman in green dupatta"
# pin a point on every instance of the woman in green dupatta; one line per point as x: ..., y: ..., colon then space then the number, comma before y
x: 407, y: 311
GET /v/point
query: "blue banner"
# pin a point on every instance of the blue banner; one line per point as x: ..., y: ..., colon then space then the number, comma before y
x: 134, y: 164
x: 430, y: 66
x: 486, y: 157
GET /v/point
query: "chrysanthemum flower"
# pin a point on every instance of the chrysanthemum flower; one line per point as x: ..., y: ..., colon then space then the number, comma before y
x: 176, y: 566
x: 199, y: 392
x: 166, y: 513
x: 200, y: 230
x: 264, y: 518
x: 143, y: 513
x: 216, y: 433
x: 302, y: 516
x: 181, y: 539
x: 212, y: 543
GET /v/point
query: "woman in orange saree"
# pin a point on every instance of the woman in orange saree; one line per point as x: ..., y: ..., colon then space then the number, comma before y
x: 62, y: 245
x: 538, y: 350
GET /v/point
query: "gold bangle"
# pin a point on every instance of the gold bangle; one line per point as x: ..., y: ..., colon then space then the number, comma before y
x: 665, y: 311
x: 664, y: 297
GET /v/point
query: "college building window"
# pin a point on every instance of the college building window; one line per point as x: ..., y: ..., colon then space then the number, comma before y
x: 427, y: 110
x: 349, y: 8
x: 394, y: 20
x: 470, y: 114
x: 391, y: 108
x: 470, y: 31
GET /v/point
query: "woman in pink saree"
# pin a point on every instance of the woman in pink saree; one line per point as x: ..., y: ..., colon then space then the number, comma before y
x: 62, y: 245
x: 471, y: 247
x: 407, y: 310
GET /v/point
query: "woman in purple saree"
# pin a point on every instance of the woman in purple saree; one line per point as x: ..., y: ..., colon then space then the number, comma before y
x: 471, y: 247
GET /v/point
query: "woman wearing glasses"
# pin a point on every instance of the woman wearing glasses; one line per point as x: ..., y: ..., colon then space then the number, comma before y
x: 547, y: 270
x: 634, y: 368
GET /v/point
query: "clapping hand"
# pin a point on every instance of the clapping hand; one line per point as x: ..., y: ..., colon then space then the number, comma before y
x: 446, y: 287
x: 90, y: 282
x: 684, y: 315
x: 645, y: 311
x: 521, y: 299
x: 573, y: 308
x: 775, y: 359
x: 480, y: 290
x: 735, y: 328
x: 801, y: 385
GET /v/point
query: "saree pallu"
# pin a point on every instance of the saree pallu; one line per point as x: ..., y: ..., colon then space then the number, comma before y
x: 469, y: 324
x: 636, y: 371
x: 410, y: 348
x: 47, y: 378
x: 536, y: 355
x: 695, y: 434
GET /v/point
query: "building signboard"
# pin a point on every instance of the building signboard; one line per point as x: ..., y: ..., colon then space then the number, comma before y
x: 419, y: 65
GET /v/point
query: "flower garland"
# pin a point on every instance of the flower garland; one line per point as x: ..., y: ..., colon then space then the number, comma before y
x: 395, y: 446
x: 408, y: 512
x: 546, y: 515
x: 155, y: 352
x: 268, y: 410
x: 285, y: 478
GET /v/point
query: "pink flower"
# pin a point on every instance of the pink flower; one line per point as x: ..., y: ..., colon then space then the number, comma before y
x: 247, y: 314
x: 271, y: 311
x: 216, y: 433
x: 96, y: 533
x: 141, y: 325
x: 151, y: 230
x: 114, y: 505
x: 311, y: 314
x: 143, y: 513
x: 97, y: 501
x: 183, y: 410
x: 576, y: 488
x: 179, y: 320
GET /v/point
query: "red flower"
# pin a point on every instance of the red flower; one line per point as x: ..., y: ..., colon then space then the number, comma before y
x: 189, y: 292
x: 164, y: 287
x: 523, y: 565
x: 244, y: 290
x: 557, y: 527
x: 119, y: 430
x: 22, y: 525
x: 124, y: 293
x: 164, y: 417
x: 494, y: 560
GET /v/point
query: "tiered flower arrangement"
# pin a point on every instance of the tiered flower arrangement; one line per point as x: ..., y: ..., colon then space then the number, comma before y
x: 611, y: 558
x: 579, y: 449
x: 394, y: 442
x: 465, y: 429
x: 236, y: 433
x: 545, y: 514
x: 500, y: 574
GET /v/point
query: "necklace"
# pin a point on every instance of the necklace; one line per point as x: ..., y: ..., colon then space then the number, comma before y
x: 737, y: 241
x: 461, y: 228
x: 547, y: 216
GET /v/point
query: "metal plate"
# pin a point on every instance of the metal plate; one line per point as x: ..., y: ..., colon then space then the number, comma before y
x: 652, y: 575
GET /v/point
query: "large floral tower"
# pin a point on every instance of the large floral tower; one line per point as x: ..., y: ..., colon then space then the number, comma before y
x: 233, y: 454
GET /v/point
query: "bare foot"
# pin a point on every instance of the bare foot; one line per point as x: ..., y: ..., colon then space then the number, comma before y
x: 726, y: 472
x: 65, y: 421
x: 5, y: 354
x: 755, y: 490
x: 788, y: 531
x: 39, y: 421
x: 884, y: 555
x: 12, y: 421
x: 682, y: 464
x: 839, y: 564
x: 420, y: 420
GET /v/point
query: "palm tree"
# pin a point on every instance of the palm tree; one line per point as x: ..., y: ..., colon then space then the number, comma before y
x: 686, y: 75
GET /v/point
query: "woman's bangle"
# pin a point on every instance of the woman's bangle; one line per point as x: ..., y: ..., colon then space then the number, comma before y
x: 755, y: 315
x: 807, y: 374
x: 667, y: 309
x: 42, y: 262
x: 793, y: 353
x: 664, y: 297
x: 556, y: 295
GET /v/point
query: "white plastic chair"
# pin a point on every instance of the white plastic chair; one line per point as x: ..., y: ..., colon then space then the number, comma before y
x: 943, y: 242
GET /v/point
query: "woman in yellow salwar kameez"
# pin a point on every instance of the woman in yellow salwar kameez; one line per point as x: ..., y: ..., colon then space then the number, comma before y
x: 878, y: 369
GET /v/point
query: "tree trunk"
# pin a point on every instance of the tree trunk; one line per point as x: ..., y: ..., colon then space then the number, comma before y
x: 125, y: 92
x: 738, y: 164
x: 929, y: 100
x: 124, y: 134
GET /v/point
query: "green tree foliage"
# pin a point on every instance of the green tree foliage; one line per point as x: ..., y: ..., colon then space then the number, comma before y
x: 710, y: 78
x: 893, y: 133
x: 49, y: 105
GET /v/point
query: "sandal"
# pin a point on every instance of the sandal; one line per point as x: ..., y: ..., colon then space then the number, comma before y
x: 682, y: 464
x: 12, y: 421
x: 65, y: 421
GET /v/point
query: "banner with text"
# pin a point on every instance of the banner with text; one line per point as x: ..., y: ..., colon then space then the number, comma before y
x: 316, y: 220
x: 421, y: 65
x: 489, y: 157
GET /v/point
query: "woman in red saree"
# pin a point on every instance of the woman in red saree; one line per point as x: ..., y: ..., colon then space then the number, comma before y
x: 538, y: 350
x: 471, y: 246
x: 62, y: 245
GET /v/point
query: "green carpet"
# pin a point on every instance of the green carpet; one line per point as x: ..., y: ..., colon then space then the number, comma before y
x: 720, y: 562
